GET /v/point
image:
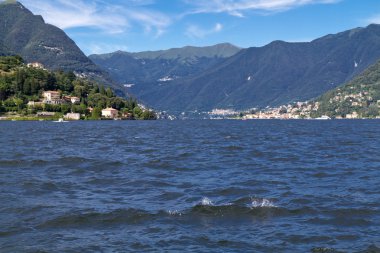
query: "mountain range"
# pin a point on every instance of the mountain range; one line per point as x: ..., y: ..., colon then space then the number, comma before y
x: 200, y: 78
x: 275, y: 74
x: 27, y: 35
x: 145, y: 68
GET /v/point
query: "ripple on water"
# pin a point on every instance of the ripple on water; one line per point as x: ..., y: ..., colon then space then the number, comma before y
x: 192, y: 186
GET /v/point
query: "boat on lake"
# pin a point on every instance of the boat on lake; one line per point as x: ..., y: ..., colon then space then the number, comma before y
x: 323, y: 117
x: 61, y: 120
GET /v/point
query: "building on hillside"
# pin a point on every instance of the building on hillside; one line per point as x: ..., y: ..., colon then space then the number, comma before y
x: 110, y: 113
x: 36, y: 65
x: 52, y: 97
x: 33, y: 103
x: 45, y: 114
x: 73, y: 100
x: 354, y: 115
x: 72, y: 116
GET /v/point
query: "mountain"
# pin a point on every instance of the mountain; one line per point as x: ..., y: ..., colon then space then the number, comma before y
x: 145, y: 68
x: 28, y: 35
x: 359, y: 98
x: 276, y: 74
x: 21, y: 86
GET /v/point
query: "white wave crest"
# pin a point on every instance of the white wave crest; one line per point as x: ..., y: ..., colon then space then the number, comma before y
x: 206, y: 202
x: 174, y: 213
x: 262, y: 203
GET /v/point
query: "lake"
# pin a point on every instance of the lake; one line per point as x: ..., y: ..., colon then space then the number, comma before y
x: 190, y: 186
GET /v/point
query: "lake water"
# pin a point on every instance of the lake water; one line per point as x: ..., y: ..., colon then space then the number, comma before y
x: 190, y: 186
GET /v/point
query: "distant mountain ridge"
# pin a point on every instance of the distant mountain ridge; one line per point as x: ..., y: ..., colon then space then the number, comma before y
x: 276, y: 74
x: 26, y: 34
x: 222, y: 50
x: 146, y: 68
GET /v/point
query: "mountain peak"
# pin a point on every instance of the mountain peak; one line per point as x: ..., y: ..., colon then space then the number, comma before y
x: 11, y: 2
x: 14, y: 6
x: 26, y: 34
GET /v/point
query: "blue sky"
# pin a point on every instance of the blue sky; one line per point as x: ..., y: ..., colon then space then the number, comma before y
x: 101, y: 26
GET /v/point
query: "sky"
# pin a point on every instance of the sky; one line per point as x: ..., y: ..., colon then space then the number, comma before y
x: 101, y: 26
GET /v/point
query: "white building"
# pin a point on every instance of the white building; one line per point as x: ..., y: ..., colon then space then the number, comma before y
x: 36, y: 65
x: 72, y: 116
x: 110, y: 113
x: 73, y: 100
x: 52, y: 97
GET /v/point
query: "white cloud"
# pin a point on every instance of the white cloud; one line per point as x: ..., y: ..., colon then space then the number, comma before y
x: 111, y: 18
x: 238, y: 7
x: 218, y: 27
x: 194, y: 31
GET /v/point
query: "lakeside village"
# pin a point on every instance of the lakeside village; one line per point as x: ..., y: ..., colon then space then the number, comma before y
x: 55, y: 98
x: 352, y: 109
x: 30, y: 92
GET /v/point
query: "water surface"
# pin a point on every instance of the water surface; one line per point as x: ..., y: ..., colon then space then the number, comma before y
x: 194, y: 186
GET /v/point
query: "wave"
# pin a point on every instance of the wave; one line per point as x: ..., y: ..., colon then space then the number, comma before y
x: 206, y: 202
x: 244, y: 208
x: 256, y: 203
x: 205, y: 207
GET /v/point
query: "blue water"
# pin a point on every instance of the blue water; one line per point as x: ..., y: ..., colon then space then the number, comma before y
x: 190, y: 186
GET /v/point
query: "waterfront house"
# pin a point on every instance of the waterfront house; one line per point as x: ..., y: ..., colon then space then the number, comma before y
x: 72, y: 116
x: 45, y: 114
x: 52, y: 97
x: 354, y: 115
x: 110, y: 113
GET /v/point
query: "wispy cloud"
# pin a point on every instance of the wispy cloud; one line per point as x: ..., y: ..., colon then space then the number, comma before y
x: 194, y: 31
x: 239, y: 7
x: 108, y: 17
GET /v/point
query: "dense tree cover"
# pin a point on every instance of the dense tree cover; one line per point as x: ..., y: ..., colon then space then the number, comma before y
x: 20, y: 84
x: 361, y: 96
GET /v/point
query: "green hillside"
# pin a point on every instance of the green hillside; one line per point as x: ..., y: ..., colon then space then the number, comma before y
x: 360, y: 98
x: 27, y: 35
x: 21, y: 84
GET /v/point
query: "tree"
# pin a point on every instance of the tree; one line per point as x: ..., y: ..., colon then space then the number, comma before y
x: 4, y: 90
x: 137, y: 112
x: 18, y: 102
x: 148, y: 115
x: 373, y: 111
x: 109, y: 93
x: 102, y: 90
x: 96, y: 113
